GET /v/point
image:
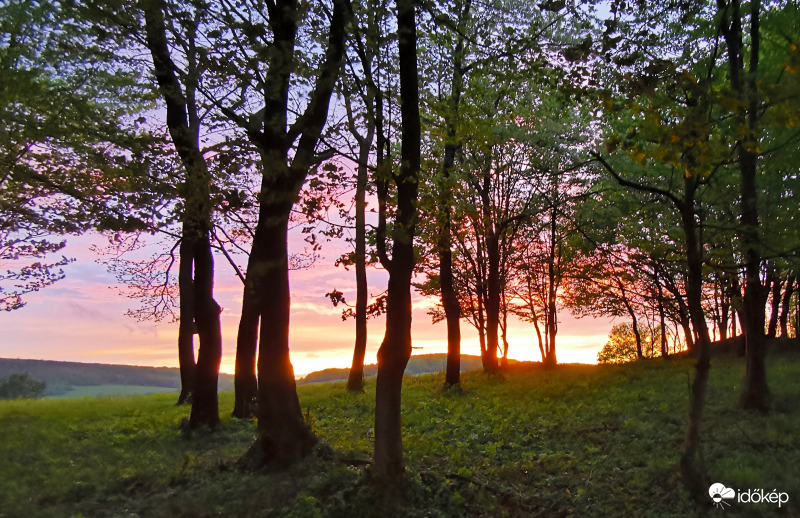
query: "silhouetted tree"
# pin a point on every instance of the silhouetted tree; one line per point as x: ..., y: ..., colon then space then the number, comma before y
x: 395, y: 350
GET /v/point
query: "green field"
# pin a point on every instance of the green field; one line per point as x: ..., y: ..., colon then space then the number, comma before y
x: 577, y: 441
x: 113, y: 390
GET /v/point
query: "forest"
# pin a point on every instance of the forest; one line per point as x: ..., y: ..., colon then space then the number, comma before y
x: 505, y: 159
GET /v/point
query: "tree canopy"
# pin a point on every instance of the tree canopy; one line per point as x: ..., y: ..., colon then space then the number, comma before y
x: 632, y: 160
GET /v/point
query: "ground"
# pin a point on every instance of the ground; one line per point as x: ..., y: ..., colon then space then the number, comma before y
x: 578, y: 440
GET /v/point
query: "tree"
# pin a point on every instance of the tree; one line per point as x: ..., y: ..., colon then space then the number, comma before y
x: 62, y: 170
x: 368, y: 44
x: 196, y: 275
x: 452, y: 146
x: 287, y: 153
x: 395, y: 350
x: 622, y: 345
x: 21, y: 386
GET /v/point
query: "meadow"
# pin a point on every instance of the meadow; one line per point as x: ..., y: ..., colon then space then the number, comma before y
x: 575, y: 441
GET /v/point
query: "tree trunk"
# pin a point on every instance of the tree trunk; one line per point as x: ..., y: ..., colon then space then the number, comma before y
x: 755, y: 392
x: 504, y: 334
x: 724, y: 315
x: 388, y: 465
x: 245, y: 382
x: 552, y: 289
x: 186, y: 360
x: 683, y: 314
x: 691, y: 467
x: 355, y: 381
x: 775, y: 305
x: 393, y: 357
x: 205, y: 406
x: 452, y: 308
x: 663, y: 321
x: 688, y: 335
x: 284, y: 437
x: 785, y: 305
x: 634, y: 320
x: 539, y: 337
x: 492, y: 300
x: 183, y: 124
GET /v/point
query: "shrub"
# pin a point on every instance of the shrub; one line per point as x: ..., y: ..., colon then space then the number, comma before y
x: 19, y: 386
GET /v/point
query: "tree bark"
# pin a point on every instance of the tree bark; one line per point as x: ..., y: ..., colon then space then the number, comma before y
x: 284, y: 436
x: 186, y: 359
x: 388, y: 465
x: 245, y: 382
x: 492, y: 299
x: 205, y: 405
x: 452, y: 308
x: 775, y: 305
x: 785, y: 305
x: 663, y: 321
x: 552, y: 291
x: 691, y: 466
x: 355, y: 380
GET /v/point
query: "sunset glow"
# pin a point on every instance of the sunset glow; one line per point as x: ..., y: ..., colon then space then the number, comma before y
x: 82, y: 318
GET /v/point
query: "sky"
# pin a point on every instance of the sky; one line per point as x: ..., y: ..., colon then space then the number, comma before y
x: 82, y: 318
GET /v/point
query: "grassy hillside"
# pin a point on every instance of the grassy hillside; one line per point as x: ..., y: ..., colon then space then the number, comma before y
x: 578, y: 441
x: 73, y: 379
x: 418, y: 364
x: 63, y: 377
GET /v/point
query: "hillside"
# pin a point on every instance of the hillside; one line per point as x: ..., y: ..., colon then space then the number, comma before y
x: 62, y: 377
x: 579, y: 440
x: 418, y: 364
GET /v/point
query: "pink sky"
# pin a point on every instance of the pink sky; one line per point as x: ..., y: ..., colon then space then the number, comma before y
x: 82, y: 318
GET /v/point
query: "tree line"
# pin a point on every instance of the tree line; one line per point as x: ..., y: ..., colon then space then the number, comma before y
x: 632, y: 159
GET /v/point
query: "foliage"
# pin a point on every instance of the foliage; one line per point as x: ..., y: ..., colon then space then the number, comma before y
x: 71, y: 155
x: 580, y: 440
x: 621, y: 345
x: 21, y: 386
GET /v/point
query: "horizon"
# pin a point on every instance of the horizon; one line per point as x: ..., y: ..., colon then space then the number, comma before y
x: 82, y: 319
x: 297, y: 377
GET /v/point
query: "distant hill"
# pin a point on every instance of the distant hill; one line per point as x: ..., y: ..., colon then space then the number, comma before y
x: 421, y: 364
x: 62, y: 377
x: 65, y: 377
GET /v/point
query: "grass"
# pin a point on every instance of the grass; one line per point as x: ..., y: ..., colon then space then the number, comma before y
x: 577, y: 441
x: 112, y: 390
